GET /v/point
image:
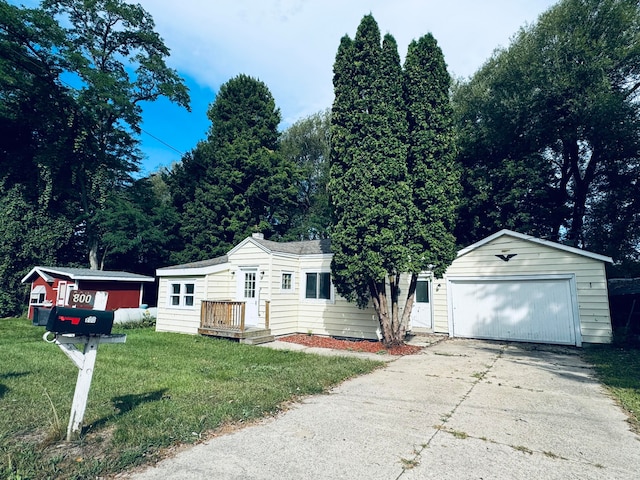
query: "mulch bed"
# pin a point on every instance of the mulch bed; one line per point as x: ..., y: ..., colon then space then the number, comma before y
x: 352, y: 345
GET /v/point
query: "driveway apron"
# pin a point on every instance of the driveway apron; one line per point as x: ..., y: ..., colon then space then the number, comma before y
x: 461, y: 409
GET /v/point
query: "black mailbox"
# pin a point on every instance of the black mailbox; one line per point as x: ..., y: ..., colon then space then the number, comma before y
x: 41, y: 316
x: 80, y: 321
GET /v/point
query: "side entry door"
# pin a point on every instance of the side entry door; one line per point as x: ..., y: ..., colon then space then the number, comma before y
x: 421, y: 311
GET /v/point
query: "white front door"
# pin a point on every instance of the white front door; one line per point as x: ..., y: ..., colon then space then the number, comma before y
x: 421, y: 311
x: 248, y: 293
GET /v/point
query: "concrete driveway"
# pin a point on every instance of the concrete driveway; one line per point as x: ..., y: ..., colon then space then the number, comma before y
x: 462, y: 409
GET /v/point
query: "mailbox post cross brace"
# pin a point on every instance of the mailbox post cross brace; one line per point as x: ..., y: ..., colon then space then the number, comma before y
x: 85, y: 360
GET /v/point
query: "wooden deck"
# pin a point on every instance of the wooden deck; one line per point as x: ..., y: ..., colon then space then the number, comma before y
x: 226, y: 319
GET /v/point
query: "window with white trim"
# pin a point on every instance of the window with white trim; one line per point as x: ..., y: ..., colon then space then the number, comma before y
x: 286, y: 283
x: 38, y: 295
x: 318, y: 286
x: 182, y: 294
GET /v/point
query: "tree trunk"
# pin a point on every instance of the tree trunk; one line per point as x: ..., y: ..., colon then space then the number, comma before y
x: 391, y: 326
x: 575, y: 234
x: 93, y: 255
x: 581, y: 185
x: 411, y: 296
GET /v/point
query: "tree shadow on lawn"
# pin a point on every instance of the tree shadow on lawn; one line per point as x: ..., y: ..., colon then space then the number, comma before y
x: 126, y: 403
x: 3, y: 388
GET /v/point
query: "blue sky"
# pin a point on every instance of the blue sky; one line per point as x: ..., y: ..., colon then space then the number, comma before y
x: 169, y: 130
x: 290, y: 45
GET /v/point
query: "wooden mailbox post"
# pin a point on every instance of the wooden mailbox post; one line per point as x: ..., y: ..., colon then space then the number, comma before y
x: 78, y: 333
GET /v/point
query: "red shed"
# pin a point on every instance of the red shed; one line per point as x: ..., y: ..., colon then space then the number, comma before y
x: 82, y: 287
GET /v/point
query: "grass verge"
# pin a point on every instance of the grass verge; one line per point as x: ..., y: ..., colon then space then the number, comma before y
x: 618, y: 368
x: 156, y: 391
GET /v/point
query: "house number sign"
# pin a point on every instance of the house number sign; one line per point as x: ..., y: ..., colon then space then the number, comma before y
x: 88, y: 299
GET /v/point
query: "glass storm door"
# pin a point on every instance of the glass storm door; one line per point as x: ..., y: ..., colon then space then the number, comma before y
x: 421, y: 311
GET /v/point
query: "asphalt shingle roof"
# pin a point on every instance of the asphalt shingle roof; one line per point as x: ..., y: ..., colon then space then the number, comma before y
x: 306, y: 247
x: 200, y: 264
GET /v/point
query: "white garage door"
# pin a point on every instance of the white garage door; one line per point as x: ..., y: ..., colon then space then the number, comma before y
x: 535, y: 309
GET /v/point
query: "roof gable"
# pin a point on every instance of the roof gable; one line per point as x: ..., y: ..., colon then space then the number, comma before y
x: 539, y: 241
x: 204, y: 267
x: 305, y: 247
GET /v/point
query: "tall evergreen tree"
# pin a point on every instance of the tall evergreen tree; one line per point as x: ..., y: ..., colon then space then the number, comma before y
x: 433, y: 171
x: 368, y: 186
x: 393, y: 178
x: 247, y: 186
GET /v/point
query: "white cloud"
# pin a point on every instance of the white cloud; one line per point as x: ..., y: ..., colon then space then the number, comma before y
x: 291, y: 44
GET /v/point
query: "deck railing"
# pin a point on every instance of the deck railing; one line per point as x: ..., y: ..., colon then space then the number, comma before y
x: 228, y: 315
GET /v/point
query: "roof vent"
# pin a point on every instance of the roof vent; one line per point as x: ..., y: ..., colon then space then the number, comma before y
x: 259, y: 236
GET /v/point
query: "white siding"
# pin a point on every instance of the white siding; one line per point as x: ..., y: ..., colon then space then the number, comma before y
x: 284, y: 304
x: 440, y: 312
x: 337, y: 317
x: 250, y: 255
x: 291, y: 312
x: 535, y: 259
x: 180, y: 320
x: 220, y: 286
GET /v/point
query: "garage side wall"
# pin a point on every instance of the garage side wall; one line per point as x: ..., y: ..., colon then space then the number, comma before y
x: 534, y: 259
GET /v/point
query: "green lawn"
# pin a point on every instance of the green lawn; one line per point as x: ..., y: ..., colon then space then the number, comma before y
x: 619, y: 370
x: 154, y: 391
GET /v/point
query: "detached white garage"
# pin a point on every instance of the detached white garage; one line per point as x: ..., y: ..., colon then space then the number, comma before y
x: 515, y: 287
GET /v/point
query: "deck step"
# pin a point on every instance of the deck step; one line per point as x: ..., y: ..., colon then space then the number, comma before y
x: 251, y: 335
x: 258, y: 340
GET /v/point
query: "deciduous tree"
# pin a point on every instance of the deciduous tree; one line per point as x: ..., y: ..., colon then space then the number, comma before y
x: 31, y: 235
x: 73, y: 76
x: 138, y: 227
x: 551, y: 123
x: 306, y: 144
x: 115, y: 61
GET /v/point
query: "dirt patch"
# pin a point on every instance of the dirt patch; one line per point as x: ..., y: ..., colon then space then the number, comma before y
x: 351, y: 345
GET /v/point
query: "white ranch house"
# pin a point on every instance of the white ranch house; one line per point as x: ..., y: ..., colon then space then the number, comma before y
x: 508, y: 286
